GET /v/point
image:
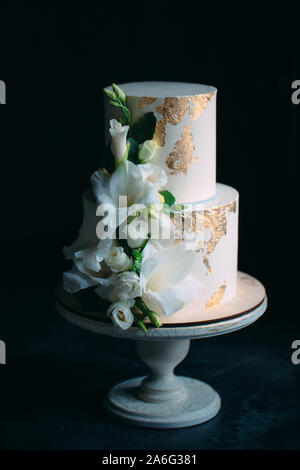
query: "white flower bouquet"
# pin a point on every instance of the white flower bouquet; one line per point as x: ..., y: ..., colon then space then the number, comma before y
x: 125, y: 248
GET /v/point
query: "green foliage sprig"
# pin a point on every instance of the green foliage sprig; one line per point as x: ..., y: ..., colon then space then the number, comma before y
x: 137, y: 260
x: 147, y: 313
x: 117, y: 98
x: 137, y: 256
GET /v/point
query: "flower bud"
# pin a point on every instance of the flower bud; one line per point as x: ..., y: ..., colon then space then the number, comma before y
x: 119, y: 93
x: 147, y: 150
x: 119, y: 145
x: 110, y: 94
x: 154, y: 318
x: 120, y: 314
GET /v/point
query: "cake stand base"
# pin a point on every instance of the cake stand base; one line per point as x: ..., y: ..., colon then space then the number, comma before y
x: 163, y: 399
x: 201, y: 404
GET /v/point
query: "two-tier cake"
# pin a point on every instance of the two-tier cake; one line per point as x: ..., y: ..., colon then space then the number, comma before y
x: 159, y: 235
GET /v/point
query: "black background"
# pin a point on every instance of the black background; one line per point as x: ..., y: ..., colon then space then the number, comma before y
x: 55, y: 62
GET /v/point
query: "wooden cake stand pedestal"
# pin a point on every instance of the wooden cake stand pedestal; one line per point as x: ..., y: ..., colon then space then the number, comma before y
x: 164, y: 400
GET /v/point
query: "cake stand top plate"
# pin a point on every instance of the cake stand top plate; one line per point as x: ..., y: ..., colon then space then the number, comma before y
x: 247, y: 306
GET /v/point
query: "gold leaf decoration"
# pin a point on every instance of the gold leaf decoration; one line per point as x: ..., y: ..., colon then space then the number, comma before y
x: 145, y: 100
x: 216, y: 298
x: 174, y: 109
x: 160, y: 132
x: 199, y: 104
x: 180, y: 158
x: 207, y: 265
x: 213, y: 219
x: 232, y: 207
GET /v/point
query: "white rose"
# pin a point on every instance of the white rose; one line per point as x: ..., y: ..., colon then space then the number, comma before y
x: 118, y: 139
x: 137, y: 233
x: 118, y: 260
x: 127, y: 286
x: 120, y: 314
x: 147, y: 150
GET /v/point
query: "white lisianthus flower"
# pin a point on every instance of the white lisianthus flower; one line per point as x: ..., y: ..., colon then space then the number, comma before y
x: 165, y: 278
x: 147, y: 150
x: 120, y: 314
x: 118, y: 140
x: 125, y: 287
x: 124, y: 192
x: 76, y: 279
x: 155, y: 175
x: 137, y: 232
x: 128, y: 286
x: 90, y: 268
x: 118, y: 260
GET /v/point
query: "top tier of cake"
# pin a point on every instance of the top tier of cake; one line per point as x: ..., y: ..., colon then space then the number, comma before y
x: 185, y: 132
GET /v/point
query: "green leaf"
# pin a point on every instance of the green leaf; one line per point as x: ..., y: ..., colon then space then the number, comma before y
x: 139, y: 322
x: 143, y: 129
x: 137, y: 260
x: 168, y: 197
x: 133, y: 150
x: 140, y: 304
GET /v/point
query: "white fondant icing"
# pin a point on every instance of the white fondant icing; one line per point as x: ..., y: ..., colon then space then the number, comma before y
x: 198, y: 179
x: 222, y: 260
x: 165, y: 89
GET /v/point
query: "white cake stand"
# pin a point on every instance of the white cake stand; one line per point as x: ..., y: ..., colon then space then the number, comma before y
x: 164, y: 400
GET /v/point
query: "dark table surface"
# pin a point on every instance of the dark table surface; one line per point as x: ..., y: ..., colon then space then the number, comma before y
x: 56, y: 376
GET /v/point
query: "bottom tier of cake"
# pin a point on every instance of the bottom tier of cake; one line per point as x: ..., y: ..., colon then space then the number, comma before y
x: 215, y: 239
x: 209, y: 229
